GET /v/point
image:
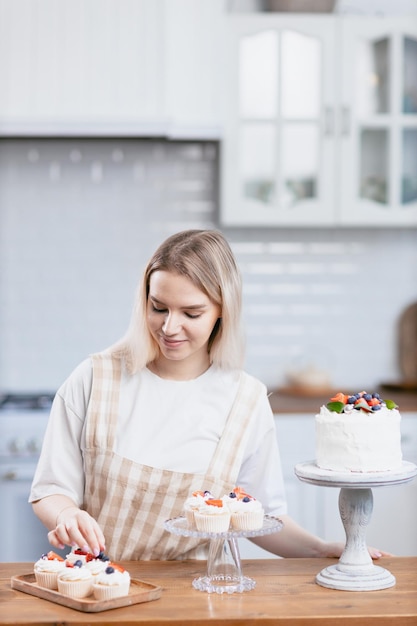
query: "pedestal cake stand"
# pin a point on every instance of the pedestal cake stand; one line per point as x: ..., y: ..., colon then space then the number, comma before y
x: 224, y: 569
x: 355, y: 570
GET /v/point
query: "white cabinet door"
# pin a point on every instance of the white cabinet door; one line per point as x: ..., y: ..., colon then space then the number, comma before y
x: 142, y: 67
x: 296, y: 441
x: 278, y: 160
x: 89, y: 61
x: 378, y: 121
x: 193, y: 44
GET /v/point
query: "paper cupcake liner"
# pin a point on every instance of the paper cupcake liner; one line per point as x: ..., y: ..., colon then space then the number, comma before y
x: 49, y: 580
x: 75, y: 588
x: 251, y: 520
x: 189, y: 516
x: 107, y: 592
x: 212, y: 523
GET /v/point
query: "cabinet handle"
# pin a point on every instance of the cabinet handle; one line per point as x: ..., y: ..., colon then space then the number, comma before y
x: 345, y: 120
x: 328, y: 121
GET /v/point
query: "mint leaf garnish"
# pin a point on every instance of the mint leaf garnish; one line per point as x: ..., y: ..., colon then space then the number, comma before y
x: 337, y: 407
x: 391, y: 404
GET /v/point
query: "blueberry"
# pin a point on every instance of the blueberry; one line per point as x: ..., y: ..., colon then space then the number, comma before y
x: 246, y: 499
x: 232, y: 495
x: 109, y: 570
x: 351, y: 400
x: 78, y: 563
x: 376, y: 407
x: 376, y: 395
x: 102, y: 557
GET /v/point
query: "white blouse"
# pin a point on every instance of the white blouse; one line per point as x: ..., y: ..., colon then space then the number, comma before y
x: 167, y: 424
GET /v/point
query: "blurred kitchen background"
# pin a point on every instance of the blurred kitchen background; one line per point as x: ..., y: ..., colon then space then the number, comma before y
x: 291, y: 126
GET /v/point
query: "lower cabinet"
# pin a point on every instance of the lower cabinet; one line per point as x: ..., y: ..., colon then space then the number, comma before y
x: 392, y: 525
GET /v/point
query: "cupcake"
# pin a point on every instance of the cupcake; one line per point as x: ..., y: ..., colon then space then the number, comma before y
x: 47, y: 568
x: 212, y: 517
x: 77, y: 554
x: 98, y: 564
x: 193, y: 503
x: 247, y: 513
x: 112, y: 583
x: 75, y: 581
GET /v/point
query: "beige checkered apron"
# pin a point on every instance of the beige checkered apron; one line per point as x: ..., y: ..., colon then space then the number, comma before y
x: 130, y: 501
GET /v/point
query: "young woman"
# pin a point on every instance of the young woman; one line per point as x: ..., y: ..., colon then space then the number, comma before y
x: 166, y: 411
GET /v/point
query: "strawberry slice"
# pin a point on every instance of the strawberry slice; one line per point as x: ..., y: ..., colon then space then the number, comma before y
x: 214, y: 502
x: 53, y: 556
x: 118, y: 567
x: 241, y: 493
x: 340, y: 397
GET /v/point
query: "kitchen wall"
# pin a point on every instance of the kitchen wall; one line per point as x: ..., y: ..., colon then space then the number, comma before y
x: 79, y: 219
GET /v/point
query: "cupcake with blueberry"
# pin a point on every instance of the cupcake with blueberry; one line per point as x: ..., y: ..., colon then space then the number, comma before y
x: 75, y: 581
x: 247, y: 513
x: 113, y: 582
x: 47, y: 568
x: 97, y: 564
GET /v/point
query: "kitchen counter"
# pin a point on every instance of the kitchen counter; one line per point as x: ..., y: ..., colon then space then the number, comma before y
x: 285, y: 594
x: 288, y: 400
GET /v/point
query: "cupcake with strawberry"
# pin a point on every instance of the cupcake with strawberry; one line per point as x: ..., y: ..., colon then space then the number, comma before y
x: 75, y: 580
x: 47, y: 568
x: 113, y: 582
x: 247, y: 512
x: 212, y: 516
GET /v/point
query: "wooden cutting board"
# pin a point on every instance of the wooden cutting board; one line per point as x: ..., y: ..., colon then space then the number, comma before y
x: 139, y: 591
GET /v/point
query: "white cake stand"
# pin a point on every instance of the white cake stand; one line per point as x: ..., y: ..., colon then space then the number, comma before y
x: 224, y: 569
x: 355, y: 570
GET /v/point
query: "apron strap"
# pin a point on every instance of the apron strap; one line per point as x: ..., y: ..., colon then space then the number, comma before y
x: 227, y: 459
x: 104, y: 402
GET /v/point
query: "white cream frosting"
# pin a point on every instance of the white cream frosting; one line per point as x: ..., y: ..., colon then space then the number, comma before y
x: 211, y: 509
x: 195, y: 501
x: 49, y: 565
x: 358, y: 441
x: 115, y: 578
x: 75, y: 573
x: 96, y: 566
x: 234, y: 505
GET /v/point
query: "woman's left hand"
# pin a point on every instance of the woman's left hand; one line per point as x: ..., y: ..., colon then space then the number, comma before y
x: 335, y: 549
x: 376, y: 554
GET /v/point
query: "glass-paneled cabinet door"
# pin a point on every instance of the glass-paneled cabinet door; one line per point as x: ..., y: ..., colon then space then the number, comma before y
x: 278, y: 151
x: 377, y: 122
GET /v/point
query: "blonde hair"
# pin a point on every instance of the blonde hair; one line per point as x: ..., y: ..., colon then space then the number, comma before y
x: 205, y: 258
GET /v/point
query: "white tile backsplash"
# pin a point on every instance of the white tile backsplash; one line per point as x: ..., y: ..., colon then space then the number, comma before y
x: 80, y: 218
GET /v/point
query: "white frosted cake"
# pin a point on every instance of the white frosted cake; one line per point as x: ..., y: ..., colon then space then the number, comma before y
x: 358, y: 433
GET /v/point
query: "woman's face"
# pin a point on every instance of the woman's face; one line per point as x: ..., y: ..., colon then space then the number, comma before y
x: 180, y: 318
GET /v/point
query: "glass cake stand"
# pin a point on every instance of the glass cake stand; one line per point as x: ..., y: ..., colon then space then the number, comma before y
x: 224, y: 569
x: 355, y: 570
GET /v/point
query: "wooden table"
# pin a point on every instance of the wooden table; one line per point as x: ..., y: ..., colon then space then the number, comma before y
x: 285, y: 594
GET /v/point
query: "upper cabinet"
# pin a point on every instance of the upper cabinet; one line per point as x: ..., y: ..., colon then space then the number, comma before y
x: 110, y: 67
x: 378, y: 125
x: 320, y: 122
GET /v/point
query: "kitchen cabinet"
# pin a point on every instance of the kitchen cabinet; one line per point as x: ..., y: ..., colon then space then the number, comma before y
x: 137, y: 67
x: 320, y: 122
x: 378, y: 133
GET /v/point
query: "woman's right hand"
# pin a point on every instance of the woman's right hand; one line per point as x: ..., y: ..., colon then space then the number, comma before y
x: 75, y: 527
